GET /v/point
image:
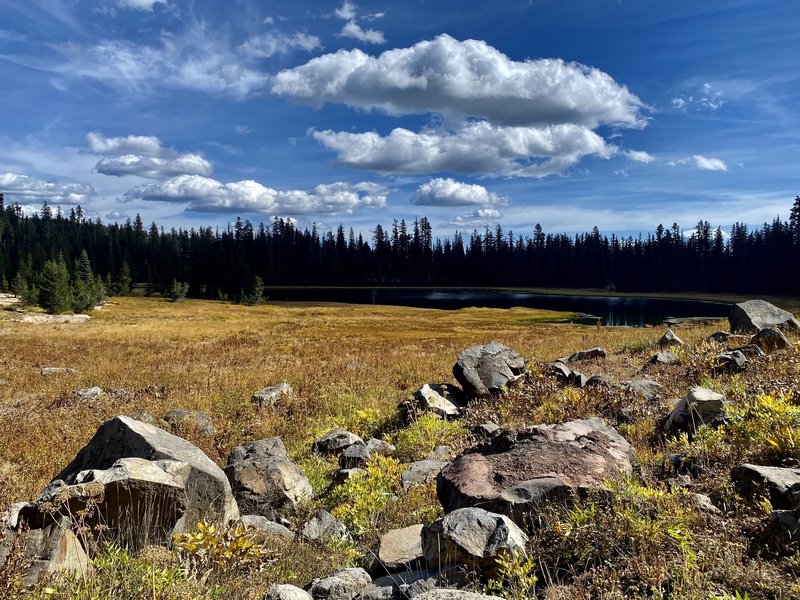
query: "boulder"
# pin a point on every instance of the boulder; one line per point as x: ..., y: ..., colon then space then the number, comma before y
x: 788, y: 521
x: 421, y: 471
x: 400, y: 549
x: 770, y: 339
x: 670, y: 339
x: 598, y: 381
x: 344, y: 585
x: 578, y: 379
x: 324, y: 526
x: 591, y: 353
x: 513, y: 472
x: 410, y: 584
x: 355, y: 456
x: 208, y: 492
x: 724, y: 337
x: 644, y: 388
x: 486, y: 370
x: 471, y: 536
x: 780, y: 484
x: 272, y: 395
x: 264, y: 525
x: 334, y: 442
x: 486, y: 430
x: 439, y: 399
x: 664, y: 358
x: 376, y: 446
x: 733, y: 361
x: 284, y: 591
x: 700, y: 406
x: 754, y: 315
x: 749, y: 351
x: 264, y: 480
x: 146, y: 417
x: 183, y: 418
x: 566, y: 375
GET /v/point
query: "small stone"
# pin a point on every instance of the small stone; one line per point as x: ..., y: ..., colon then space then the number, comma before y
x: 770, y: 339
x: 400, y: 549
x: 665, y: 358
x: 323, y: 527
x: 486, y: 430
x: 592, y: 353
x: 284, y: 591
x: 355, y: 456
x: 376, y: 446
x: 272, y: 395
x: 645, y: 388
x: 263, y: 524
x: 487, y: 370
x: 344, y: 585
x: 89, y: 393
x: 421, y: 471
x: 47, y: 371
x: 732, y: 361
x: 334, y: 442
x: 700, y: 406
x: 670, y: 339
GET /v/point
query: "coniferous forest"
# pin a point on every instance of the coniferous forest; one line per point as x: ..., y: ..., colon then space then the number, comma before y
x: 230, y: 263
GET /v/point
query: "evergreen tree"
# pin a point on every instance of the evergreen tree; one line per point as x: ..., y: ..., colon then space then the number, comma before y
x: 55, y: 294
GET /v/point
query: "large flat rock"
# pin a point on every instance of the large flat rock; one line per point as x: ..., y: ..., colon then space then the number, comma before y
x: 754, y: 315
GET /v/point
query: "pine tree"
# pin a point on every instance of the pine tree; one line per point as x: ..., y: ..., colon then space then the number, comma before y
x: 794, y: 221
x: 55, y: 295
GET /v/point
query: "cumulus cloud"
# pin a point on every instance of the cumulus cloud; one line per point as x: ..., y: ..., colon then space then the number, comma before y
x: 346, y: 11
x: 116, y: 215
x: 463, y: 78
x: 146, y: 145
x: 477, y: 218
x: 29, y: 189
x: 203, y: 194
x: 639, y: 156
x: 449, y: 192
x: 701, y: 162
x: 476, y: 148
x: 278, y: 42
x: 143, y: 156
x: 351, y: 29
x: 144, y: 5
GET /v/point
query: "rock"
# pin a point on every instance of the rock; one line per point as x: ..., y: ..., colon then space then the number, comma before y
x: 376, y: 446
x: 439, y: 399
x: 323, y: 527
x: 344, y: 475
x: 471, y: 536
x: 665, y: 358
x: 207, y: 488
x: 179, y: 418
x: 283, y: 591
x: 344, y: 585
x: 598, y: 381
x: 704, y: 504
x: 644, y: 388
x: 486, y: 370
x: 670, y: 339
x: 700, y: 406
x: 145, y: 417
x: 724, y: 337
x: 770, y: 339
x: 355, y: 456
x: 789, y: 523
x: 513, y: 472
x: 47, y: 371
x: 453, y: 595
x: 754, y: 315
x: 749, y: 351
x: 421, y: 471
x: 400, y: 549
x: 578, y: 379
x: 486, y: 430
x: 89, y: 393
x: 595, y: 353
x: 781, y: 484
x: 264, y: 480
x: 732, y: 361
x: 335, y: 441
x: 264, y: 525
x: 626, y: 415
x: 410, y: 584
x: 272, y: 395
x: 442, y: 453
x: 560, y: 371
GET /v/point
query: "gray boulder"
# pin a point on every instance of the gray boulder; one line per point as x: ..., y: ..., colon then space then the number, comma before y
x: 644, y: 388
x: 323, y: 527
x: 334, y: 442
x: 486, y: 370
x: 400, y: 549
x: 733, y: 361
x: 486, y: 430
x: 439, y: 399
x: 471, y: 536
x: 376, y: 446
x: 183, y: 418
x: 754, y: 315
x: 412, y: 583
x: 421, y: 471
x: 664, y: 358
x: 355, y: 456
x: 283, y: 591
x: 89, y: 393
x: 788, y: 521
x: 265, y: 481
x: 344, y: 585
x: 272, y: 395
x: 770, y: 339
x: 669, y: 339
x: 749, y: 351
x: 566, y: 375
x: 700, y: 406
x: 514, y: 472
x: 724, y: 337
x: 780, y: 484
x: 266, y: 526
x: 591, y: 353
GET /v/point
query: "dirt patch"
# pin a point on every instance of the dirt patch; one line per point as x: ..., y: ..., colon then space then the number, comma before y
x: 42, y: 319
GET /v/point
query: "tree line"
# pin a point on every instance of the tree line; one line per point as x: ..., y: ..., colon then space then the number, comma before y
x: 92, y: 258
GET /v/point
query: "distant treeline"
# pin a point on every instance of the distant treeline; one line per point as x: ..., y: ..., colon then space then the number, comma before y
x: 226, y: 263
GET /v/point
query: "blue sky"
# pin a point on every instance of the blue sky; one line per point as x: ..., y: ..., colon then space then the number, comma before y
x: 570, y: 113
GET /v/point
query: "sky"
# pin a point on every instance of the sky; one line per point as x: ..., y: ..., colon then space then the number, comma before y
x: 620, y: 114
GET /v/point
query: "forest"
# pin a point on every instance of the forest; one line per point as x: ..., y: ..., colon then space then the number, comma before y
x: 233, y: 263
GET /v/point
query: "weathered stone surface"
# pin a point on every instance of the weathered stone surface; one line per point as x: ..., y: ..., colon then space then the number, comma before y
x: 354, y: 456
x: 566, y: 375
x: 344, y: 585
x: 781, y: 484
x: 789, y: 522
x: 410, y: 584
x: 516, y: 470
x: 644, y: 388
x: 335, y: 441
x: 486, y: 370
x: 439, y: 399
x: 699, y: 406
x: 284, y: 591
x: 272, y: 395
x: 598, y: 381
x: 485, y: 430
x: 146, y: 417
x: 400, y: 549
x: 770, y: 339
x: 376, y: 446
x: 208, y: 492
x: 47, y: 371
x: 724, y: 337
x: 733, y: 361
x: 180, y: 418
x: 669, y: 339
x: 754, y: 315
x: 591, y: 353
x: 264, y: 525
x: 664, y: 358
x: 578, y: 379
x: 471, y: 536
x: 89, y: 393
x: 264, y: 480
x: 705, y: 505
x: 749, y: 351
x: 421, y: 471
x: 323, y: 527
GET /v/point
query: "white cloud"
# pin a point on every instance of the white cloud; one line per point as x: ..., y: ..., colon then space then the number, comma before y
x: 346, y: 11
x: 203, y: 194
x: 144, y: 5
x: 146, y: 145
x: 709, y: 164
x: 475, y: 148
x: 477, y: 218
x: 707, y: 98
x: 17, y: 187
x: 116, y: 215
x: 278, y: 42
x: 639, y: 156
x: 351, y: 29
x: 449, y: 192
x: 153, y: 167
x: 460, y: 79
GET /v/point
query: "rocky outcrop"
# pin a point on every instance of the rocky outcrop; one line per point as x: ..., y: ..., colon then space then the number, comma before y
x: 264, y: 480
x: 334, y: 442
x: 700, y: 406
x: 754, y: 315
x: 516, y: 470
x: 486, y: 370
x: 272, y: 395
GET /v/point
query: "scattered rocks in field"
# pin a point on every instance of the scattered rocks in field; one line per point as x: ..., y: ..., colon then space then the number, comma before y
x: 439, y: 399
x: 376, y: 446
x: 644, y: 388
x: 780, y: 484
x: 591, y: 353
x: 264, y: 525
x: 486, y: 370
x: 471, y: 536
x: 89, y: 393
x: 700, y: 406
x: 754, y: 315
x: 334, y: 442
x: 485, y: 430
x: 421, y: 471
x: 323, y: 526
x: 180, y: 418
x: 264, y: 480
x: 48, y: 371
x: 284, y: 591
x: 273, y: 395
x: 724, y: 337
x: 733, y: 361
x: 512, y: 473
x: 664, y: 358
x: 670, y: 339
x: 354, y: 456
x: 344, y: 585
x: 770, y: 339
x: 400, y: 549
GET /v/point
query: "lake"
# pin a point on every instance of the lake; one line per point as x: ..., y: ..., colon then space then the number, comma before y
x: 614, y: 310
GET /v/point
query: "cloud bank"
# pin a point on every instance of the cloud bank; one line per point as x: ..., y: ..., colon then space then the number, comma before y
x: 31, y: 189
x: 143, y: 156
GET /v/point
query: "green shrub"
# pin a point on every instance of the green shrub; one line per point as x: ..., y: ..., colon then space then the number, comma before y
x: 515, y: 578
x: 420, y: 438
x: 178, y: 290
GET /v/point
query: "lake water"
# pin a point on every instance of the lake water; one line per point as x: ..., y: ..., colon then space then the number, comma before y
x: 614, y: 310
